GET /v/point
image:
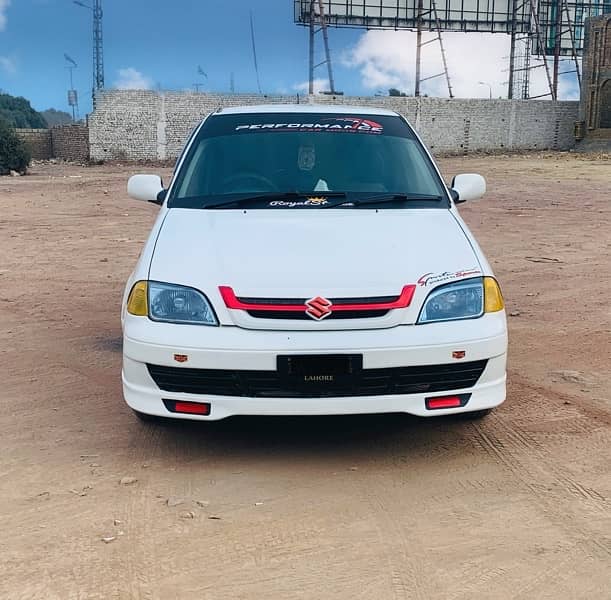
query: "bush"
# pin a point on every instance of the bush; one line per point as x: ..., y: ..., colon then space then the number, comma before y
x: 14, y: 156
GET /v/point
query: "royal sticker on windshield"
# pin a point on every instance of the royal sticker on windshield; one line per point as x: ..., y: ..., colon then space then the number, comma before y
x: 434, y: 278
x: 340, y: 124
x: 298, y: 203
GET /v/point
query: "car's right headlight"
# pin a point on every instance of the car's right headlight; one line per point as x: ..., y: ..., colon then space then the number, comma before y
x: 170, y: 303
x: 467, y: 299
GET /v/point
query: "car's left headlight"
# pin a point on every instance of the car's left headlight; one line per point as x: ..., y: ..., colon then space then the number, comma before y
x: 170, y: 303
x: 455, y: 301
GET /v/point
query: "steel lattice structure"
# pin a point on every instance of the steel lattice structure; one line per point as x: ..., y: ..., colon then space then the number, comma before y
x: 539, y: 27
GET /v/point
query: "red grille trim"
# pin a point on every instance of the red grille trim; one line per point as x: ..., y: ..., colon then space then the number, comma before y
x: 233, y: 302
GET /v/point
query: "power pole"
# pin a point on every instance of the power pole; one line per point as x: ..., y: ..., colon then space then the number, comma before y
x: 72, y: 93
x: 311, y: 54
x: 557, y: 44
x: 418, y: 48
x: 325, y: 36
x: 512, y: 52
x: 254, y: 51
x: 317, y: 16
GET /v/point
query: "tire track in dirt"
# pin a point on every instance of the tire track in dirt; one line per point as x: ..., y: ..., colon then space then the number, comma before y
x: 409, y: 577
x: 533, y: 448
x: 141, y: 557
x: 528, y: 470
x: 588, y: 409
x: 553, y: 579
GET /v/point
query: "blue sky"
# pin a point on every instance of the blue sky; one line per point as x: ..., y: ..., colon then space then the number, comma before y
x: 165, y: 41
x: 155, y: 43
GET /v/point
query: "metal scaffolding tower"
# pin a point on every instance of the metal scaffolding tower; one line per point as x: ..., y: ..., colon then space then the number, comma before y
x: 98, y: 45
x: 574, y: 51
x: 538, y: 41
x: 419, y: 45
x: 318, y: 24
x: 520, y: 68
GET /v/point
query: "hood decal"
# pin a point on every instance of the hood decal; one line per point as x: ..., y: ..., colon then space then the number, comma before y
x: 435, y: 278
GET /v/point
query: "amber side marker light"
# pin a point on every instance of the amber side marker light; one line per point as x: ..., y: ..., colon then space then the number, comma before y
x: 440, y: 402
x: 188, y: 408
x: 137, y: 303
x: 493, y: 299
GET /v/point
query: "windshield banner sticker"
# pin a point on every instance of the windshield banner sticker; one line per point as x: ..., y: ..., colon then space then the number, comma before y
x: 433, y: 278
x: 294, y: 203
x: 344, y: 124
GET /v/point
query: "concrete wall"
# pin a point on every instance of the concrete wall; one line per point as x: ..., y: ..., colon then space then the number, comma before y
x: 38, y: 142
x: 145, y: 125
x: 66, y: 142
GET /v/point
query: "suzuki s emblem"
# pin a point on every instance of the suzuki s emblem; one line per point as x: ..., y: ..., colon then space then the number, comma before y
x: 458, y: 354
x: 318, y: 308
x: 181, y: 358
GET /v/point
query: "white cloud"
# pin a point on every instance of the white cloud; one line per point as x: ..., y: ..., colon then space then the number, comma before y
x: 386, y: 59
x: 8, y: 65
x: 132, y: 79
x: 4, y: 4
x: 320, y: 85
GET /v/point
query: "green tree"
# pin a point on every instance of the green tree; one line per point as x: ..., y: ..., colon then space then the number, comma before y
x: 56, y: 117
x: 14, y: 156
x: 396, y: 92
x: 18, y: 113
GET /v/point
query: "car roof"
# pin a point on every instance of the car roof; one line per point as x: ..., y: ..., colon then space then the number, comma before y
x: 306, y: 108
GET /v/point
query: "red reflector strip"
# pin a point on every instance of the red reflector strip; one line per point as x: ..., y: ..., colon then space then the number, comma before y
x: 447, y: 401
x: 192, y: 408
x: 231, y: 301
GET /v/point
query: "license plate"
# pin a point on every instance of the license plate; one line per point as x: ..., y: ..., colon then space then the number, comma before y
x: 320, y: 370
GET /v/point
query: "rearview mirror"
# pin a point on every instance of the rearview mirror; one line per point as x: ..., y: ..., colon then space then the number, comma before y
x: 468, y: 186
x: 146, y: 187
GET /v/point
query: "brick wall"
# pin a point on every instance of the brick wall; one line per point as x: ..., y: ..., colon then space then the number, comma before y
x: 66, y: 142
x: 38, y: 142
x: 595, y: 110
x: 144, y: 125
x: 71, y: 142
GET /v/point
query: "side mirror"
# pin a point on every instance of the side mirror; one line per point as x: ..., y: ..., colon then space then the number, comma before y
x: 146, y: 187
x: 468, y: 186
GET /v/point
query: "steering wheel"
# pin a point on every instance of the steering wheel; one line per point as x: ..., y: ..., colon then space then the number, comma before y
x: 240, y: 183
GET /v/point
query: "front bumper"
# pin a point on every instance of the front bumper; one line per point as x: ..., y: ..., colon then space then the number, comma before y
x: 240, y: 349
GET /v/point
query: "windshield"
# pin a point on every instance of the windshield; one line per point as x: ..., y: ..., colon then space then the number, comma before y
x: 263, y: 155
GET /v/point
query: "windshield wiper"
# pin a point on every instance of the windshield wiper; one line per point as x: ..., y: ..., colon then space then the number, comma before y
x: 271, y: 196
x: 383, y: 199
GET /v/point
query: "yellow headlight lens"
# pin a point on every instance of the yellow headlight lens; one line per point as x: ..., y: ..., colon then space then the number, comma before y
x: 137, y: 303
x: 493, y: 299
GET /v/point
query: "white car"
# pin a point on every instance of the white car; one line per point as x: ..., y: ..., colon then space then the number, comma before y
x: 310, y: 260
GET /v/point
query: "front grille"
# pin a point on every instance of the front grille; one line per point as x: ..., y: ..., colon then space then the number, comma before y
x: 303, y: 316
x: 334, y: 301
x: 272, y: 384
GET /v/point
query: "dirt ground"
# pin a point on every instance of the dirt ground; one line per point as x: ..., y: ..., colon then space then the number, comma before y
x: 391, y: 507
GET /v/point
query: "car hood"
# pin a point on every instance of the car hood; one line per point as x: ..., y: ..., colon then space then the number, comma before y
x: 297, y: 253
